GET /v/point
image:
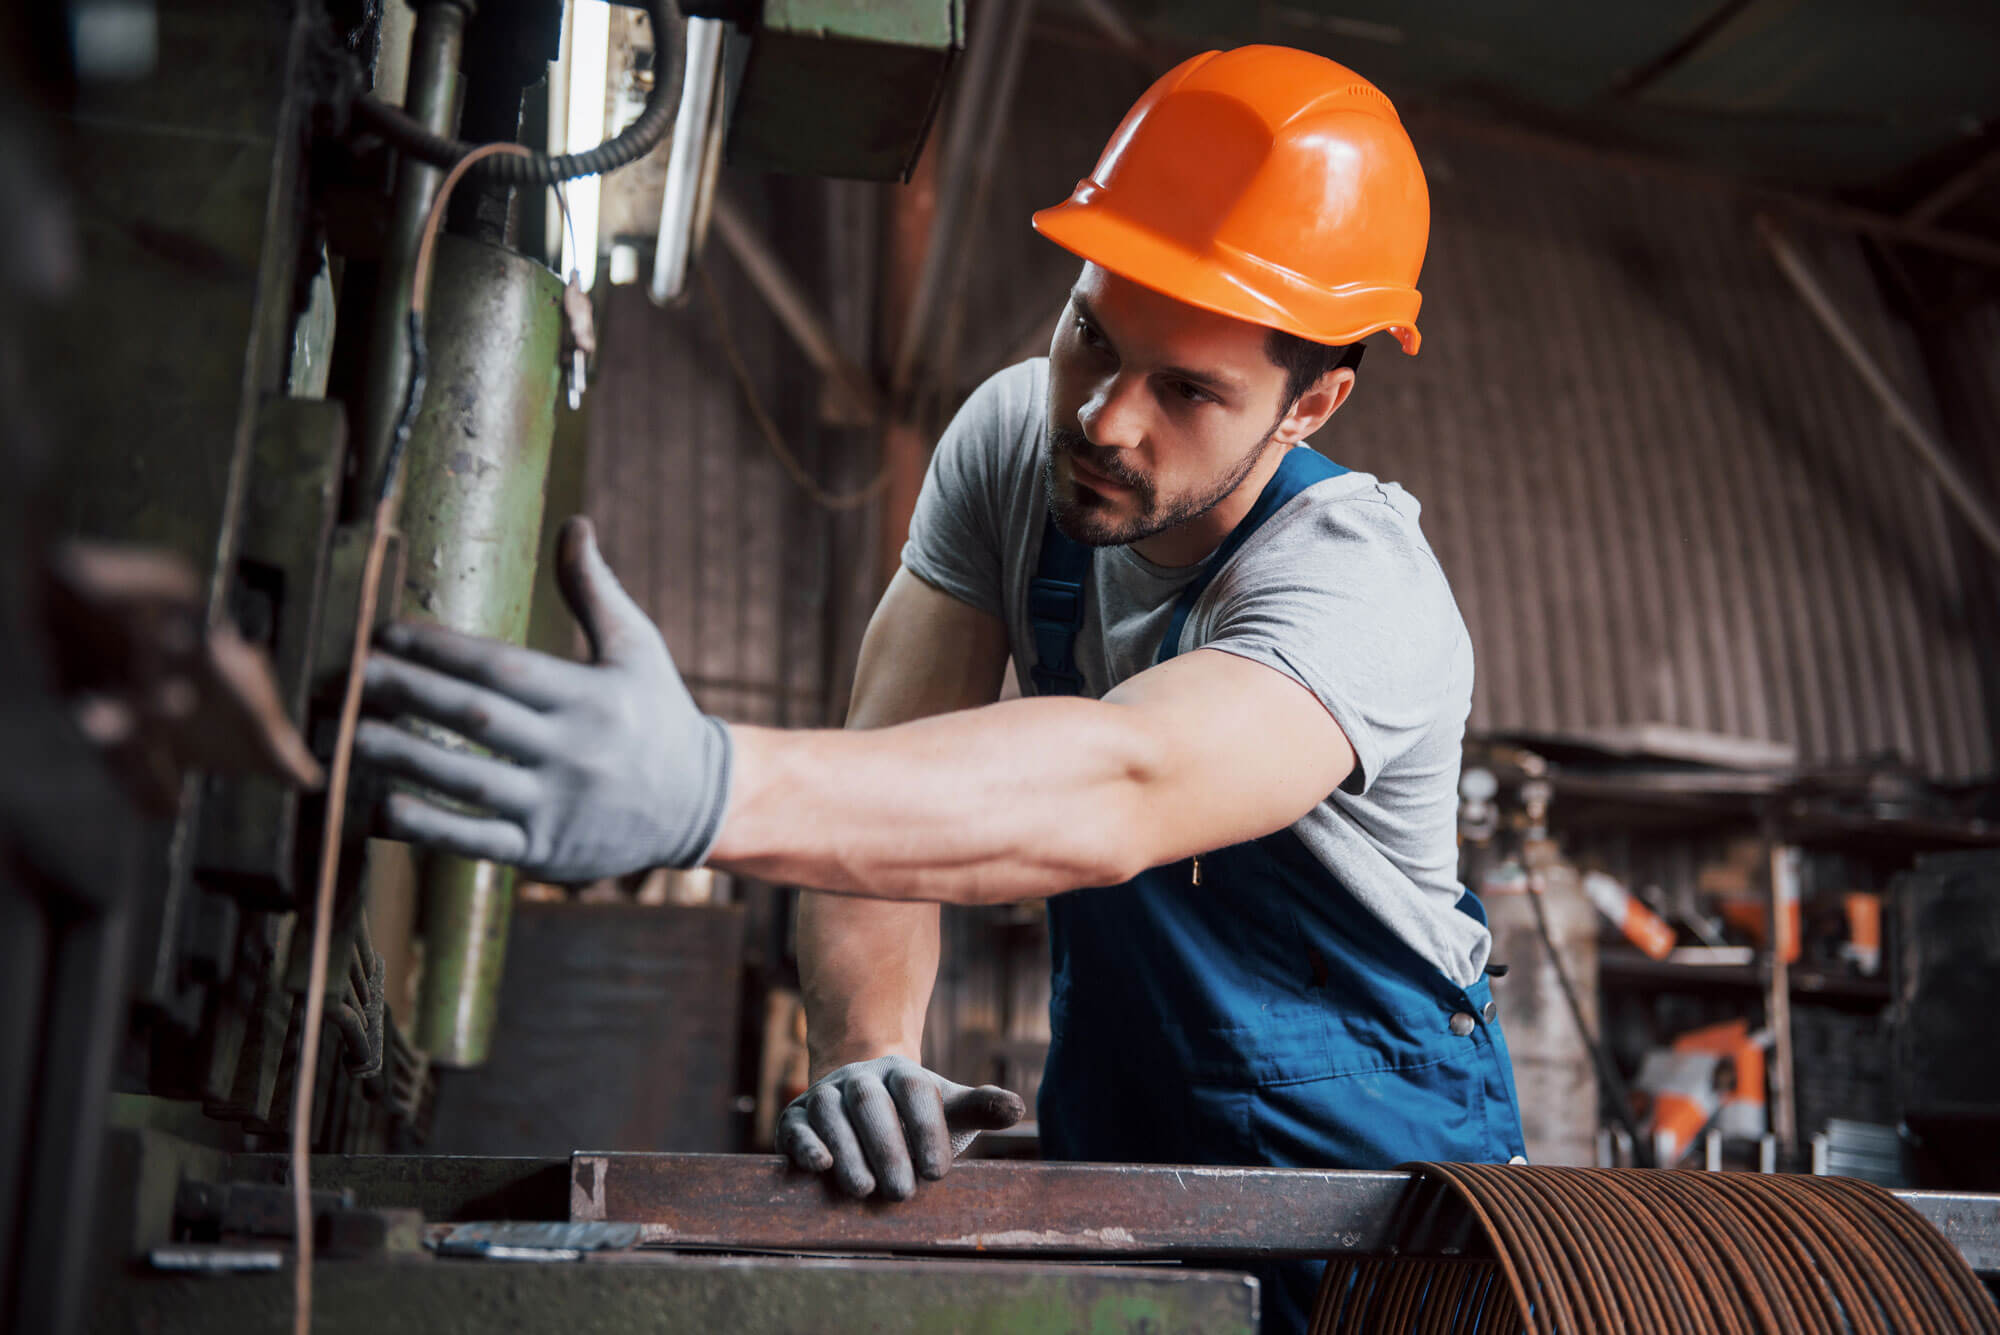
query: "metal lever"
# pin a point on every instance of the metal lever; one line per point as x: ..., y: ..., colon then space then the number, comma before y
x: 687, y: 166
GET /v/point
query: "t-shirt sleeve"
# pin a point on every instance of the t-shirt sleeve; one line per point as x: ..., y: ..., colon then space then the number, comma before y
x: 1351, y: 604
x: 955, y: 532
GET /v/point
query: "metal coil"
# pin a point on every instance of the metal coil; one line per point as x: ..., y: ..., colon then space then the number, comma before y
x: 1413, y: 1297
x: 1577, y: 1251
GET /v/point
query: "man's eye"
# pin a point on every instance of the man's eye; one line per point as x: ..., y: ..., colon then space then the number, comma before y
x: 1192, y: 392
x: 1088, y: 333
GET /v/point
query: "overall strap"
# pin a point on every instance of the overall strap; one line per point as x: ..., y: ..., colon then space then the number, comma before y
x: 1301, y: 467
x: 1055, y: 610
x: 1062, y: 571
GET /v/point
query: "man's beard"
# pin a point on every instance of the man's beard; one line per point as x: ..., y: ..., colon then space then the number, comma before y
x: 1088, y: 521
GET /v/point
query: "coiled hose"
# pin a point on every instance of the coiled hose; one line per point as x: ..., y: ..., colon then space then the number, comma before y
x: 631, y: 144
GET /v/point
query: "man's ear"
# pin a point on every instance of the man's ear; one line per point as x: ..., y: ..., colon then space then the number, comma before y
x: 1321, y: 400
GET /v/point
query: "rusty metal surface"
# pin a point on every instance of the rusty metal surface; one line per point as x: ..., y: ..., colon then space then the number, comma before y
x: 1101, y: 1210
x: 697, y: 1200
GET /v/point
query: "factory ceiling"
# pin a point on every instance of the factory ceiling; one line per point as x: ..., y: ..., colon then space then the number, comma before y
x: 1896, y: 106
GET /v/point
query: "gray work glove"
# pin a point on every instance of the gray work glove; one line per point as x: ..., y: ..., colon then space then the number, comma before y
x: 869, y: 1120
x: 599, y: 769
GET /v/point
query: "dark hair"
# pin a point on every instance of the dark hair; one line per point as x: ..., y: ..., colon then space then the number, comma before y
x: 1304, y: 361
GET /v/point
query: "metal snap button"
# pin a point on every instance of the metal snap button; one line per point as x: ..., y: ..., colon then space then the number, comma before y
x: 1518, y: 1159
x: 1492, y: 1009
x: 1462, y: 1023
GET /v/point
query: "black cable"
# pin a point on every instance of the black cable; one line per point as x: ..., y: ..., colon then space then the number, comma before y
x: 633, y: 143
x: 413, y: 398
x: 1607, y: 1074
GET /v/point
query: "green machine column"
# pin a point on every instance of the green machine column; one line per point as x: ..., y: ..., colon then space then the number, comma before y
x: 471, y: 518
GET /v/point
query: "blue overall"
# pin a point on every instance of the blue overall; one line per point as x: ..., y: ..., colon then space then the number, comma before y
x: 1262, y: 1016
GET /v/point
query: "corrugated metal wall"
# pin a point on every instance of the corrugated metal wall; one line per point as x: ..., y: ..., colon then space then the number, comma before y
x: 1660, y: 493
x: 746, y: 576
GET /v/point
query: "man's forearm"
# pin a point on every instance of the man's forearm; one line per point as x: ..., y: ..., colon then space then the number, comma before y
x: 1013, y: 801
x: 866, y: 969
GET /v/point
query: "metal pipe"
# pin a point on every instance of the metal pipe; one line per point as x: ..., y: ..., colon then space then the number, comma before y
x: 472, y: 519
x: 468, y: 910
x: 693, y: 126
x: 1105, y: 17
x: 1783, y: 892
x: 432, y: 98
x: 794, y: 309
x: 1958, y: 488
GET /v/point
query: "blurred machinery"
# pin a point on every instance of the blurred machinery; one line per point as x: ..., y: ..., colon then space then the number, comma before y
x: 212, y: 355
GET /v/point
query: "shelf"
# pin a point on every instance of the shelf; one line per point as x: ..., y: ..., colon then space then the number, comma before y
x: 1631, y: 967
x: 1670, y: 802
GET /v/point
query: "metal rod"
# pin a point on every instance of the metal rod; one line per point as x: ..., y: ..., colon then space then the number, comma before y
x: 1958, y: 488
x: 692, y: 127
x: 1104, y: 15
x: 1002, y: 1208
x: 794, y: 308
x: 985, y: 73
x: 432, y: 98
x: 1961, y: 184
x: 1778, y: 994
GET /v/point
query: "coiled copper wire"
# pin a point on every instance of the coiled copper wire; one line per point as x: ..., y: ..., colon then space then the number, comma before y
x: 1585, y: 1251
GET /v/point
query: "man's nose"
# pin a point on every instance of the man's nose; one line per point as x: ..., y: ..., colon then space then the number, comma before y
x: 1113, y: 415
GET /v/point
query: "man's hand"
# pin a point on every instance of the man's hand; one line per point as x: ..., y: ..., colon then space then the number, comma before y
x: 868, y: 1121
x: 600, y: 769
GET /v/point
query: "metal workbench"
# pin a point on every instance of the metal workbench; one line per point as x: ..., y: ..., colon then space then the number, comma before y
x: 731, y: 1242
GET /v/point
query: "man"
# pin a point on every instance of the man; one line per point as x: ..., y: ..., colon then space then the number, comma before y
x: 1247, y: 688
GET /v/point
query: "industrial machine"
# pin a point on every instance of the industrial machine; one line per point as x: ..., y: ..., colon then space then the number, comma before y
x: 286, y: 356
x: 282, y: 337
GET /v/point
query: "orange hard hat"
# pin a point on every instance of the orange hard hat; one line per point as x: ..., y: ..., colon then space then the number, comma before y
x: 1263, y: 183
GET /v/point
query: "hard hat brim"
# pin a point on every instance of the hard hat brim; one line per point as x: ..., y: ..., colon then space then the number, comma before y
x: 1228, y: 282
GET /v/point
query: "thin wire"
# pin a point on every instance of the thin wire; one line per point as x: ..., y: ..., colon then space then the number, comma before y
x: 343, y: 750
x: 420, y: 276
x: 329, y: 872
x: 825, y: 499
x: 569, y: 226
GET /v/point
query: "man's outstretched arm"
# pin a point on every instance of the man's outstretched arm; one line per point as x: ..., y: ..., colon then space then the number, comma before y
x: 611, y: 767
x: 1030, y: 798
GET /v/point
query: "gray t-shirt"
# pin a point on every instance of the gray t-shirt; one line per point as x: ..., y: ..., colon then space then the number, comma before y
x: 1338, y: 590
